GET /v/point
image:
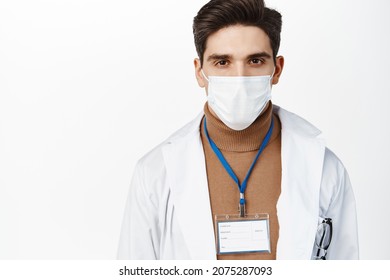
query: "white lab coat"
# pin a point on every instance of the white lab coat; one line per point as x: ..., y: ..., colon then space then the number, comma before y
x: 168, y: 214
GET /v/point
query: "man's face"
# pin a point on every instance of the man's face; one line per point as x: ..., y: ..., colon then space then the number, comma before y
x: 238, y: 51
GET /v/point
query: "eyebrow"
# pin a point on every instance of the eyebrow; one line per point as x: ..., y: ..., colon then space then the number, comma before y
x: 260, y: 54
x: 228, y: 56
x: 218, y: 57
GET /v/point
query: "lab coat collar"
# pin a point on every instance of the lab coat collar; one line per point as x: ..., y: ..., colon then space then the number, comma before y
x: 291, y: 122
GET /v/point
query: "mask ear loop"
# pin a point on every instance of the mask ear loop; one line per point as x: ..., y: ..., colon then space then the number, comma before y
x: 273, y: 73
x: 272, y: 76
x: 201, y: 70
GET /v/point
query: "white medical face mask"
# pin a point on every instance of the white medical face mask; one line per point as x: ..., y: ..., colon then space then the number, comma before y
x: 238, y: 100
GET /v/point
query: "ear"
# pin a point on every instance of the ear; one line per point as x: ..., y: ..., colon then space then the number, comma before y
x: 278, y: 69
x: 198, y: 73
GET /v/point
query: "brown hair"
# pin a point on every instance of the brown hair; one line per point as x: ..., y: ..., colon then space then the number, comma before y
x: 218, y: 14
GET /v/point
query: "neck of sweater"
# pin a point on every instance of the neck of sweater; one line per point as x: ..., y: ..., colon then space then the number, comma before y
x: 248, y: 139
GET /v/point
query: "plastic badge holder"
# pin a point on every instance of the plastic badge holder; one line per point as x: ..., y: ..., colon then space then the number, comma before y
x: 237, y: 235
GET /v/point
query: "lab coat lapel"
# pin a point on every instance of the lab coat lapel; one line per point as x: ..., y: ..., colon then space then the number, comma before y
x: 298, y: 205
x: 187, y: 177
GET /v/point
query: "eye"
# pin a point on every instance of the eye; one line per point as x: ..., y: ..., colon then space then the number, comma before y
x: 256, y: 61
x: 222, y: 63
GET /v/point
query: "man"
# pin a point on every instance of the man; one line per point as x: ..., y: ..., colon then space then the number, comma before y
x: 245, y: 179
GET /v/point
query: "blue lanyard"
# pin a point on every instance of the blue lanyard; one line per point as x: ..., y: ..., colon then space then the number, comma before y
x: 229, y: 170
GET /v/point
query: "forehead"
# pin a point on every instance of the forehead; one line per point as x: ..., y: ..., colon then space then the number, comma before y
x: 238, y: 40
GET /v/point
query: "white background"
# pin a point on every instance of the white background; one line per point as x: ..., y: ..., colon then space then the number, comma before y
x: 88, y: 87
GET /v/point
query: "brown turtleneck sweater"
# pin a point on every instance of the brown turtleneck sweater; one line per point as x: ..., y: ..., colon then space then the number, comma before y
x: 239, y: 149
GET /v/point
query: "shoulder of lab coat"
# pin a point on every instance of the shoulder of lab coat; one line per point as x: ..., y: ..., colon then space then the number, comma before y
x: 149, y: 194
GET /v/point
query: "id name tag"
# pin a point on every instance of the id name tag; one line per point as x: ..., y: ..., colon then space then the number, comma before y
x: 242, y: 235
